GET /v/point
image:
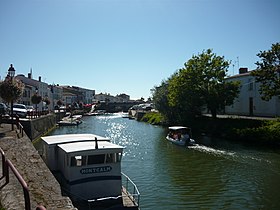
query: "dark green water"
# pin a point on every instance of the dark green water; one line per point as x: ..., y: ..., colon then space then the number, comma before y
x: 216, y: 174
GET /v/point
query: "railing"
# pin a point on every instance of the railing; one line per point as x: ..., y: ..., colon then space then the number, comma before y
x: 6, y: 165
x: 131, y: 187
x: 36, y: 114
x: 20, y: 127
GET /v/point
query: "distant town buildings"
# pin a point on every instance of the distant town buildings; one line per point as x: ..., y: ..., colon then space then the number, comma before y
x: 108, y: 98
x: 66, y: 94
x: 248, y: 103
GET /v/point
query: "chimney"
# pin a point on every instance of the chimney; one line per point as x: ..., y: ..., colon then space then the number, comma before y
x: 39, y: 79
x: 29, y: 76
x: 243, y: 70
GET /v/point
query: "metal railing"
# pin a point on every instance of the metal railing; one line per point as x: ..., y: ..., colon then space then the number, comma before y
x: 130, y: 186
x: 6, y: 166
x: 130, y: 191
x: 20, y: 127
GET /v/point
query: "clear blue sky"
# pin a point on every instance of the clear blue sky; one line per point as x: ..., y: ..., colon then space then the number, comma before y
x: 129, y: 46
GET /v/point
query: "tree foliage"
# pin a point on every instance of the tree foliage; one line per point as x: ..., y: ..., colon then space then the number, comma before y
x: 11, y: 89
x: 59, y: 103
x: 160, y: 94
x: 47, y: 101
x: 200, y: 83
x: 268, y: 72
x: 36, y: 99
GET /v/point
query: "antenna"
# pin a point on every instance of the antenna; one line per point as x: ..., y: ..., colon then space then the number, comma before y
x: 238, y: 62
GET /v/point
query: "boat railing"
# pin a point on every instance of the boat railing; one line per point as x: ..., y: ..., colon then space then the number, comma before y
x: 130, y: 192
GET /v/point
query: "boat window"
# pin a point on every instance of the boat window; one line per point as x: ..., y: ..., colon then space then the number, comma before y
x: 96, y: 159
x: 113, y: 158
x: 119, y: 157
x: 110, y: 158
x: 78, y: 160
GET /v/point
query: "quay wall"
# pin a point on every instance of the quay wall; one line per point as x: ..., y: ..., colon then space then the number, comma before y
x: 43, y: 187
x: 39, y: 126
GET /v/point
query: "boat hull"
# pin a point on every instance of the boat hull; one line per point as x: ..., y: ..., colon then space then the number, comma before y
x: 181, y: 142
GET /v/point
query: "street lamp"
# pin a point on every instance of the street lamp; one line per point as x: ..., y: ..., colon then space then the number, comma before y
x: 11, y: 71
x: 11, y: 74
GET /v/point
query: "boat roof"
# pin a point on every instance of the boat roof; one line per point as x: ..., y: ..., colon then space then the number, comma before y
x: 68, y: 138
x: 89, y: 145
x: 178, y: 128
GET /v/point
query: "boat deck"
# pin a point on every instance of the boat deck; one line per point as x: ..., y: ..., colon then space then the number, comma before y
x: 128, y: 200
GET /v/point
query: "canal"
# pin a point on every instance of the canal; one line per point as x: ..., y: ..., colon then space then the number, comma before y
x: 216, y: 174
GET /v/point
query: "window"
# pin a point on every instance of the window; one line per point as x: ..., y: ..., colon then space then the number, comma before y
x: 250, y: 84
x: 78, y: 160
x: 96, y: 159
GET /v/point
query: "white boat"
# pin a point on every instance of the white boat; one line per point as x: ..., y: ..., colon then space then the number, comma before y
x: 180, y: 135
x: 70, y: 120
x: 91, y: 169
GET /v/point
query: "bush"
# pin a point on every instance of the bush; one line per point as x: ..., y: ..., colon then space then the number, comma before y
x: 154, y: 118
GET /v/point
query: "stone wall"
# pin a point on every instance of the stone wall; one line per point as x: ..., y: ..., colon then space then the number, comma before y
x: 39, y: 126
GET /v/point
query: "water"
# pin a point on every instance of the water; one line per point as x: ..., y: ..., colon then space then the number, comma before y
x: 212, y: 175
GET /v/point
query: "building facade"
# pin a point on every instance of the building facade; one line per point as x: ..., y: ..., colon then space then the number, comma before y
x: 249, y: 101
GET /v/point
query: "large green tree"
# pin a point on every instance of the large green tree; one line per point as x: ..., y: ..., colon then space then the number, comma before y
x: 202, y: 81
x: 268, y: 72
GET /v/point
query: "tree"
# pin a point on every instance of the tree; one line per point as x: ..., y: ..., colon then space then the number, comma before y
x: 268, y: 72
x: 202, y: 82
x: 36, y: 99
x: 10, y: 90
x: 59, y: 103
x: 47, y: 102
x: 160, y: 100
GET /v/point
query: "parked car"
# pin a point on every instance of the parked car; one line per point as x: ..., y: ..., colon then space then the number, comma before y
x: 3, y: 109
x: 20, y: 110
x: 30, y: 108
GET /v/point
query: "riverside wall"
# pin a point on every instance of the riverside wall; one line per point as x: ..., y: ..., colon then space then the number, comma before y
x: 43, y: 187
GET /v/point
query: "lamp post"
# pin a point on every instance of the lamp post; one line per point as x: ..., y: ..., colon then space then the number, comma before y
x: 11, y: 74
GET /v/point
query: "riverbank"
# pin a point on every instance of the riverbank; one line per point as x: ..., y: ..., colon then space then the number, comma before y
x: 43, y: 187
x: 256, y: 130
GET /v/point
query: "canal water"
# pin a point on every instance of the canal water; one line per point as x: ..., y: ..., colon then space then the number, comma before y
x: 216, y: 174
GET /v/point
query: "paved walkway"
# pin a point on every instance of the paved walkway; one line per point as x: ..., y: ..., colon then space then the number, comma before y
x: 43, y: 187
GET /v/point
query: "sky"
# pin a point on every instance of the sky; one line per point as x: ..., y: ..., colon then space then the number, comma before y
x: 130, y: 46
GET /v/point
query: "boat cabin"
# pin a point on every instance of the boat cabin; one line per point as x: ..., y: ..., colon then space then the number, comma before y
x: 89, y: 164
x: 178, y: 132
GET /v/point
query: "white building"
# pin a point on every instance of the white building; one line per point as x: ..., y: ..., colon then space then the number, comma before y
x: 249, y: 101
x: 31, y: 87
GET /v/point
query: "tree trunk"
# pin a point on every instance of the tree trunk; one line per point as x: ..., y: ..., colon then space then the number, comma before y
x: 214, y: 113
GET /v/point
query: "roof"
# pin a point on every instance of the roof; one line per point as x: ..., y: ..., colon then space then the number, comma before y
x: 89, y: 145
x: 177, y: 127
x: 68, y: 138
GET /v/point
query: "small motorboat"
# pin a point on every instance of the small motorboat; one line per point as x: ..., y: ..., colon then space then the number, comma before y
x: 180, y: 135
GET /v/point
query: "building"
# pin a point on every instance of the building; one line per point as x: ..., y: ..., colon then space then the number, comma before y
x: 249, y: 101
x: 32, y: 86
x: 76, y: 95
